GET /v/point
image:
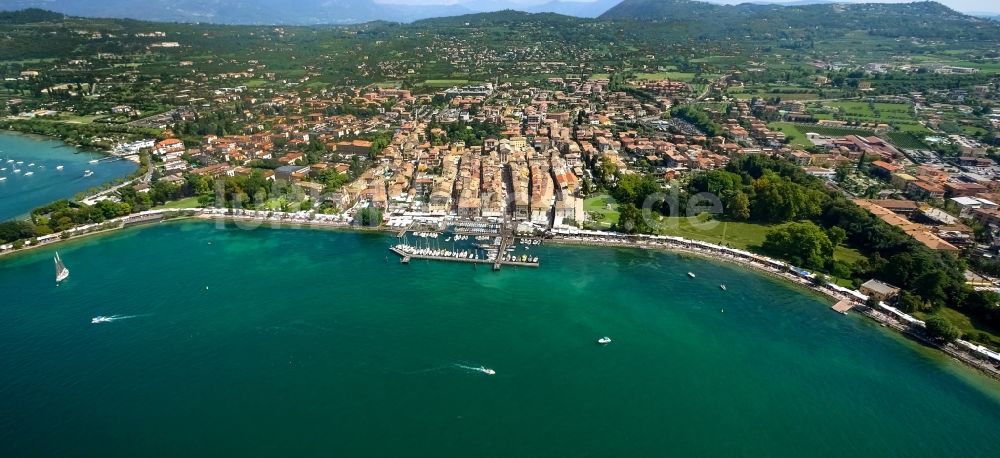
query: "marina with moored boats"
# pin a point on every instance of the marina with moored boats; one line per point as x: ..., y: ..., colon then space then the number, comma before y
x: 464, y: 245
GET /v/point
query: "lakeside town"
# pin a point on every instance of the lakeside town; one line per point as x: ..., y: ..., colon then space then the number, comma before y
x: 591, y: 153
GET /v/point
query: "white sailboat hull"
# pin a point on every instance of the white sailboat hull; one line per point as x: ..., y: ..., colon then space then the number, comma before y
x: 61, y: 271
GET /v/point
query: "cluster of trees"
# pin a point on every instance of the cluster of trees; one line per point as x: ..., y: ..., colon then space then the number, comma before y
x: 803, y: 244
x: 699, y: 118
x: 16, y: 230
x: 763, y: 190
x: 632, y: 192
x: 219, y: 122
x: 814, y: 221
x: 472, y: 133
x: 60, y: 216
x: 368, y: 217
x: 939, y: 327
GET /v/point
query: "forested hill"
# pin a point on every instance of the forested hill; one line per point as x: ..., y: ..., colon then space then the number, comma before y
x: 919, y: 19
x: 675, y: 10
x: 499, y: 18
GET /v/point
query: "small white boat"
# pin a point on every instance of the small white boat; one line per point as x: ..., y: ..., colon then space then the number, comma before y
x: 691, y: 274
x: 3, y: 178
x: 487, y: 370
x: 100, y: 319
x: 722, y: 287
x: 28, y: 174
x: 31, y: 164
x: 94, y: 161
x: 59, y: 167
x: 87, y: 173
x: 604, y: 340
x: 17, y: 170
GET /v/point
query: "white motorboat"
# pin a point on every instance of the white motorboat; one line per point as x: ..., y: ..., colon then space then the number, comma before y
x: 604, y: 340
x: 691, y: 274
x: 100, y: 319
x: 87, y: 173
x: 94, y: 161
x: 28, y: 174
x: 722, y: 287
x: 487, y: 371
x: 59, y: 167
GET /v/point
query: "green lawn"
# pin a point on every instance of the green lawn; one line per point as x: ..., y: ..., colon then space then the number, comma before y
x: 603, y: 209
x: 971, y: 329
x: 737, y: 235
x: 187, y: 202
x: 445, y: 83
x: 255, y: 83
x: 77, y: 119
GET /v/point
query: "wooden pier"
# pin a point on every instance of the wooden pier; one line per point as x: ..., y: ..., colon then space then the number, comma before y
x: 843, y: 306
x: 505, y: 242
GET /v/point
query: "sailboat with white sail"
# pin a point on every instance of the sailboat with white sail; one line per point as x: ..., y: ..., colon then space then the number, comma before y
x: 61, y: 271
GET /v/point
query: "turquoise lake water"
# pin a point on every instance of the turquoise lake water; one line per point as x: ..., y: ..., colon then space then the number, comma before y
x: 284, y: 342
x: 20, y: 193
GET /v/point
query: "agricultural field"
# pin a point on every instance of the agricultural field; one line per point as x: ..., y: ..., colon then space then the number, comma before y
x: 686, y: 77
x: 445, y: 83
x: 906, y: 140
x: 796, y: 133
x: 898, y: 115
x: 775, y: 95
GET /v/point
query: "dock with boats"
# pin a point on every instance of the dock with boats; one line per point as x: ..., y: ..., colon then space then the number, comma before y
x: 408, y: 253
x: 476, y: 243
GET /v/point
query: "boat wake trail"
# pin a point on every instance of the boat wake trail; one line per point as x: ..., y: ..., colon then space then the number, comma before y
x: 425, y: 371
x: 482, y: 369
x: 109, y: 319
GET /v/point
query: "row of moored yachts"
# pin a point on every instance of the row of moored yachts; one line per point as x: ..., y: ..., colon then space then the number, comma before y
x: 464, y: 254
x: 411, y: 250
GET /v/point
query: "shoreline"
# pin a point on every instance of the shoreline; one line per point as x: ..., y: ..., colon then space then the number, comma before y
x: 82, y: 148
x: 702, y: 250
x: 77, y: 149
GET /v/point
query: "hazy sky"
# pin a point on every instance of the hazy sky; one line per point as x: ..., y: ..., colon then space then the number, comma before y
x: 960, y: 5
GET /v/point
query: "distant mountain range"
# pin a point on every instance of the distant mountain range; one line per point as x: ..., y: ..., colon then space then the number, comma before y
x: 777, y: 14
x: 300, y: 12
x: 297, y: 12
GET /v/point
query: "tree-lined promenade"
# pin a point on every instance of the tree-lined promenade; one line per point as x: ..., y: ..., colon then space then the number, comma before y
x: 808, y: 222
